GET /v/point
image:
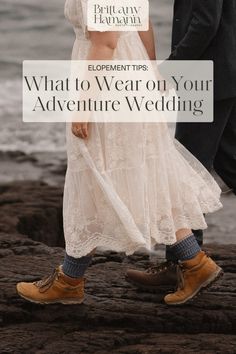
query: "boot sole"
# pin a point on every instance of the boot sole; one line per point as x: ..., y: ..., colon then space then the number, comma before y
x: 149, y: 288
x: 216, y: 276
x: 58, y: 301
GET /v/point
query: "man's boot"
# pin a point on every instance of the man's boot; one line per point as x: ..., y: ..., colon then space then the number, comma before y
x: 163, y: 275
x: 193, y: 275
x: 56, y: 288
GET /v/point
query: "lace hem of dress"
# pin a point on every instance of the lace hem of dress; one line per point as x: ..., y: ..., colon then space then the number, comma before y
x: 81, y: 241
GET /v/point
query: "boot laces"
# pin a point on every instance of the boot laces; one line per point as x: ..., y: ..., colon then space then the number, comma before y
x: 160, y: 267
x: 180, y: 276
x: 45, y: 283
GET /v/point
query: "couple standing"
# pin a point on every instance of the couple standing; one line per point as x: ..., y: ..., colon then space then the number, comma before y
x: 130, y: 185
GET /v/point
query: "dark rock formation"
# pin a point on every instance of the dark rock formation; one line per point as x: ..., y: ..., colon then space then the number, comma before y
x: 115, y: 318
x: 33, y: 209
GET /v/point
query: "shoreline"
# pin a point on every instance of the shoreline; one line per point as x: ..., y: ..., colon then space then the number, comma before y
x: 47, y: 167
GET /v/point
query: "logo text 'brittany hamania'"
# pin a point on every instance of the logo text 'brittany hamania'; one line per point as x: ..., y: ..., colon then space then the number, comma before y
x: 113, y: 15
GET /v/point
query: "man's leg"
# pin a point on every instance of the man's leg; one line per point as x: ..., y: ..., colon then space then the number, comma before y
x: 225, y: 160
x: 203, y: 141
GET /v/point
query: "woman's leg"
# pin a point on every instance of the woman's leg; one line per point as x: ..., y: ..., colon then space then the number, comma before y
x: 180, y: 235
x: 76, y: 267
x: 195, y: 271
x: 186, y: 246
x: 65, y: 285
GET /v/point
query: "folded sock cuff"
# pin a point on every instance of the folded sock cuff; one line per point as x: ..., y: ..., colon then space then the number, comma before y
x: 75, y: 267
x: 186, y: 249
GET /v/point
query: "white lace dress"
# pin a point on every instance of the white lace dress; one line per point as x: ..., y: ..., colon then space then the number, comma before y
x: 129, y: 185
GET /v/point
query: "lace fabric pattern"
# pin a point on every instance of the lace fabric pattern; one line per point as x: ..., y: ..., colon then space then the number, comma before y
x: 130, y: 185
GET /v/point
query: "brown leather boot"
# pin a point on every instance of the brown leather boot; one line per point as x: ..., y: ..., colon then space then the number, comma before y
x: 56, y: 288
x: 193, y: 275
x: 162, y: 275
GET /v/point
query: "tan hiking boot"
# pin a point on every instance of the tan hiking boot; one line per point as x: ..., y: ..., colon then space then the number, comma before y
x: 56, y: 288
x: 193, y: 275
x: 163, y: 275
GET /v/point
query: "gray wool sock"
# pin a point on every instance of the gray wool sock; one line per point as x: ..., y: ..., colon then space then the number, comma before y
x: 185, y: 249
x: 76, y: 267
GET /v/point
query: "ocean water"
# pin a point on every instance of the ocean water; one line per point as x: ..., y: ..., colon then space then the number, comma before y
x: 34, y: 29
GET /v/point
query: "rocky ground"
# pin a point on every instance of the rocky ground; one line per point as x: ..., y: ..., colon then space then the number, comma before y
x: 115, y: 318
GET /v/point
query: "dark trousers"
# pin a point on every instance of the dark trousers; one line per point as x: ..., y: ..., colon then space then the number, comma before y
x: 213, y: 144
